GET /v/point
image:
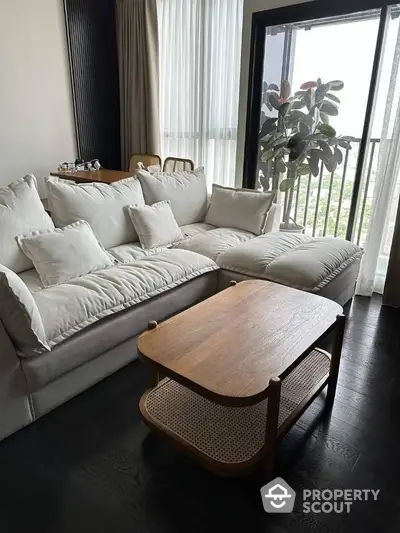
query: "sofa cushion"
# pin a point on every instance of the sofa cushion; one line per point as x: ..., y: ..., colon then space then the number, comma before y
x: 128, y: 253
x: 65, y: 253
x: 69, y: 308
x: 300, y: 261
x: 114, y: 330
x: 186, y: 190
x: 214, y: 242
x: 102, y: 205
x: 155, y: 224
x: 239, y: 208
x: 21, y: 211
x: 20, y: 315
x: 189, y: 230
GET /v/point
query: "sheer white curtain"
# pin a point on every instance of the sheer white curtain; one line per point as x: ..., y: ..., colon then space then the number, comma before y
x: 200, y: 43
x: 386, y: 192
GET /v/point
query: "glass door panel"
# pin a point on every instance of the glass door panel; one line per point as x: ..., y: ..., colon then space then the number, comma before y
x: 315, y: 86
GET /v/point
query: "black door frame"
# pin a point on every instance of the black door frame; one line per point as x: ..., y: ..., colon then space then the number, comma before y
x: 299, y: 13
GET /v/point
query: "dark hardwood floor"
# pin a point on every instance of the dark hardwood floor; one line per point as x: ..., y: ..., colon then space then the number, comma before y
x: 92, y: 466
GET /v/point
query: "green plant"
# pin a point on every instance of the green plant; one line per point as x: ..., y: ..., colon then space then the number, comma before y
x: 300, y: 138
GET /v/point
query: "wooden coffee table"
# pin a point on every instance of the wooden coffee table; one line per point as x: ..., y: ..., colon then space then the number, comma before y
x: 240, y: 368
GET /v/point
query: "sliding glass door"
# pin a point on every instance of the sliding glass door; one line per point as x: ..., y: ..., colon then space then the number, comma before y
x: 311, y: 102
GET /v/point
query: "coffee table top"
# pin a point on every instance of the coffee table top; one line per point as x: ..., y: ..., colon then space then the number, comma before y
x: 229, y: 346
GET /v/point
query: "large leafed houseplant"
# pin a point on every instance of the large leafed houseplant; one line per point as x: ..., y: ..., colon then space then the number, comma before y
x: 296, y: 141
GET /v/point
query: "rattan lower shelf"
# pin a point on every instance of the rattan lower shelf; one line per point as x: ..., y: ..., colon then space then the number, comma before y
x: 230, y: 436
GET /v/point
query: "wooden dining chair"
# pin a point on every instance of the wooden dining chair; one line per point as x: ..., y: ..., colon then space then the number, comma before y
x: 172, y: 164
x: 146, y: 159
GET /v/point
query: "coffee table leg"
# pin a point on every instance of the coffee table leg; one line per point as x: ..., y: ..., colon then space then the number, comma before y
x: 154, y: 375
x: 335, y: 360
x: 271, y: 432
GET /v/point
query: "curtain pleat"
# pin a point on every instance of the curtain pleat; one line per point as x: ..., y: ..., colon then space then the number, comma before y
x: 200, y: 45
x: 137, y: 34
x: 374, y: 263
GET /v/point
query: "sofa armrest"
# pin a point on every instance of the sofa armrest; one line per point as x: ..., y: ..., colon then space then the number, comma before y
x: 15, y: 410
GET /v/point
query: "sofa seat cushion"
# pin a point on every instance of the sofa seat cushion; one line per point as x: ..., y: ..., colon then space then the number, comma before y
x: 190, y: 230
x: 114, y: 330
x: 296, y: 260
x: 129, y: 253
x: 70, y: 307
x: 214, y: 242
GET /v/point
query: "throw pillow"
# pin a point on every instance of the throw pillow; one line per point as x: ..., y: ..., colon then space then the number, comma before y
x: 239, y: 208
x: 63, y: 254
x: 20, y: 315
x: 155, y: 224
x: 185, y: 190
x: 102, y: 205
x: 21, y: 211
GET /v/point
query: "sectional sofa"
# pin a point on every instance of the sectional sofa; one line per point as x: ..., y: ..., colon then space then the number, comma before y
x: 60, y: 335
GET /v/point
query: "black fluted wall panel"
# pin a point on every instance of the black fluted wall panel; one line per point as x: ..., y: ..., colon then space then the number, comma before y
x: 94, y: 73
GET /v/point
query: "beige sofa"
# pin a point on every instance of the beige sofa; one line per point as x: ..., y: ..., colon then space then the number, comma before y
x: 91, y: 323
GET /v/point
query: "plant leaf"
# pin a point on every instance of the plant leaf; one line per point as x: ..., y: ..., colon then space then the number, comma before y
x: 331, y: 165
x: 267, y: 155
x: 304, y: 129
x: 309, y: 85
x: 344, y: 144
x: 338, y: 155
x: 274, y: 100
x: 320, y: 92
x: 350, y: 139
x: 333, y: 98
x: 298, y: 104
x: 336, y: 85
x: 324, y: 117
x: 280, y: 166
x: 273, y: 87
x: 268, y: 126
x: 303, y: 170
x: 327, y: 130
x: 284, y: 108
x: 329, y: 108
x: 313, y: 161
x: 325, y: 149
x: 286, y: 184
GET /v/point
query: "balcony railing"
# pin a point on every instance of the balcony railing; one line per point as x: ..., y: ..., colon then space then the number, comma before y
x: 322, y: 204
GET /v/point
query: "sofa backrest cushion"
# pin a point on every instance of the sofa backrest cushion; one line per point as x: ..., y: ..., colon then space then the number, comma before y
x: 62, y: 254
x: 185, y: 190
x: 102, y: 205
x: 21, y: 211
x: 155, y: 224
x: 239, y: 208
x: 20, y: 315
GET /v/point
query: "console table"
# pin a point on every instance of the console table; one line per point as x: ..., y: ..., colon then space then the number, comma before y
x: 87, y: 176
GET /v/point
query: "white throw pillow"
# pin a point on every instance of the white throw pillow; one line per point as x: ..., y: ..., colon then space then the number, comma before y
x: 239, y: 208
x: 21, y: 211
x: 186, y: 191
x: 155, y: 224
x: 20, y: 315
x: 65, y: 253
x: 102, y: 205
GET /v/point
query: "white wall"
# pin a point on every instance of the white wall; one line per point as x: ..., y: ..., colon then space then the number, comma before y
x: 250, y: 7
x: 36, y: 118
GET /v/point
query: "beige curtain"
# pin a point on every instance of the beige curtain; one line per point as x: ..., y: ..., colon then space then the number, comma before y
x: 137, y: 35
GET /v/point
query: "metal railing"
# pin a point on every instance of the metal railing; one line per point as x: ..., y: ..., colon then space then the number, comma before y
x: 322, y: 204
